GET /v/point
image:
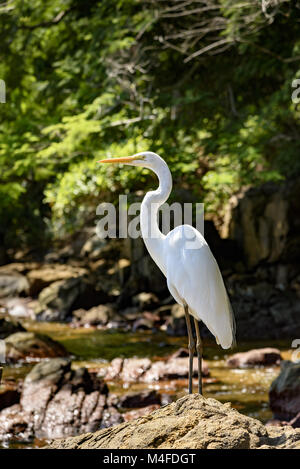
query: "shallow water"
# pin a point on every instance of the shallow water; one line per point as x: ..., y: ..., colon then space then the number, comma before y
x: 246, y: 389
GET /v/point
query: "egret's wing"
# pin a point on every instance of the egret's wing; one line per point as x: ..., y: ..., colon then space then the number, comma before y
x: 194, y: 278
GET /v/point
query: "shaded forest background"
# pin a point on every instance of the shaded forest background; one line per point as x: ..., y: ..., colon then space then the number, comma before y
x: 206, y: 84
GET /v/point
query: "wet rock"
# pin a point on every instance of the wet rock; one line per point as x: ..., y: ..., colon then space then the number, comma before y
x: 191, y: 422
x: 128, y: 369
x: 57, y: 401
x: 98, y: 315
x: 8, y: 327
x: 143, y: 370
x: 58, y: 300
x: 174, y: 368
x: 114, y: 370
x: 135, y: 400
x: 284, y: 394
x: 28, y: 345
x: 257, y: 357
x: 13, y: 284
x: 134, y: 368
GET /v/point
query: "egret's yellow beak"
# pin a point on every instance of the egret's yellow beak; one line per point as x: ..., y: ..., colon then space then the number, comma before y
x: 125, y: 159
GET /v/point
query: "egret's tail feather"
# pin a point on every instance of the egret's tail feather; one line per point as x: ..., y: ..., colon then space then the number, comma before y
x: 233, y: 324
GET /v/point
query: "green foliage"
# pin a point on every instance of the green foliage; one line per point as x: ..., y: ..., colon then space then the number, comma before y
x: 87, y: 80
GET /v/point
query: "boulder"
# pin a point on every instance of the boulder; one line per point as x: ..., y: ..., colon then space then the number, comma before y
x: 257, y: 357
x: 60, y: 298
x: 133, y: 369
x: 192, y: 422
x: 49, y: 273
x: 97, y: 316
x: 284, y: 394
x: 144, y: 273
x: 114, y: 370
x: 28, y: 345
x: 13, y: 284
x: 57, y: 401
x: 264, y: 222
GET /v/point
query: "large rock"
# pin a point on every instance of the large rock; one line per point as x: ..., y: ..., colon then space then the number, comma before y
x: 57, y: 401
x: 191, y: 422
x: 257, y: 357
x: 264, y: 222
x: 13, y: 284
x: 144, y: 273
x: 284, y: 392
x: 28, y: 345
x: 262, y: 309
x: 49, y: 273
x: 60, y: 298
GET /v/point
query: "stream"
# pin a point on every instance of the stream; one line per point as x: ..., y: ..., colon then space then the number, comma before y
x: 246, y: 389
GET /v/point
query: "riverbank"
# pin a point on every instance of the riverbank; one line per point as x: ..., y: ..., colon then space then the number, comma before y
x: 94, y: 349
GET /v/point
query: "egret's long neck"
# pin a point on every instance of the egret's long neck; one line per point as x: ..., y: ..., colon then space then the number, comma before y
x: 151, y: 233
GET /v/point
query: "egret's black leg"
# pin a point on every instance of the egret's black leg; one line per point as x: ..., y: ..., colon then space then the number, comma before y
x: 199, y: 349
x: 191, y: 347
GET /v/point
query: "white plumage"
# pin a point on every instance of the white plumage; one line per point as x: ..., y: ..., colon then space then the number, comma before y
x: 194, y: 278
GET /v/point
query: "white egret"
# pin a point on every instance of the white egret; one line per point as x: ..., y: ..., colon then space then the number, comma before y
x: 184, y: 257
